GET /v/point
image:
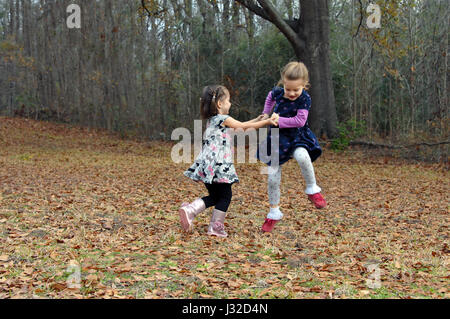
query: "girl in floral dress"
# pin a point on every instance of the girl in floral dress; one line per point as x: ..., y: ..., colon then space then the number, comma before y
x: 214, y: 165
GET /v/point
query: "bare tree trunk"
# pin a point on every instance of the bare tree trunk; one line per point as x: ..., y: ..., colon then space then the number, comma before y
x: 235, y: 23
x: 132, y: 69
x: 108, y: 94
x: 354, y: 97
x: 12, y: 18
x: 315, y: 19
x: 27, y: 20
x: 17, y: 18
x: 412, y: 52
x: 444, y: 107
x: 250, y: 27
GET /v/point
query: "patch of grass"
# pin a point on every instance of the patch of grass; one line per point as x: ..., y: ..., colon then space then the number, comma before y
x: 25, y: 157
x: 168, y: 263
x: 385, y: 293
x: 202, y: 266
x: 13, y: 272
x: 311, y: 283
x: 345, y: 290
x: 109, y: 277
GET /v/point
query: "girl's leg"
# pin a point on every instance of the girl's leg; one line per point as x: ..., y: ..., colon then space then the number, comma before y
x: 273, y: 189
x: 312, y: 190
x: 224, y: 196
x: 302, y: 157
x: 188, y: 211
x: 213, y: 196
x: 216, y: 226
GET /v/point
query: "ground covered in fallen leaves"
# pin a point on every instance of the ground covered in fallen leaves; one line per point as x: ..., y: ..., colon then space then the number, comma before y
x: 84, y: 214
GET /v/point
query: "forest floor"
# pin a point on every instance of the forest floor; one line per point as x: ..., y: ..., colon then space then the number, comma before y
x: 79, y: 203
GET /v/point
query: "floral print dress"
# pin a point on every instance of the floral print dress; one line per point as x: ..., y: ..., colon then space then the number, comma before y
x: 214, y: 164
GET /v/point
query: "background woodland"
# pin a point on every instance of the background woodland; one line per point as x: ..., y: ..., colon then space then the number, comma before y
x: 139, y: 71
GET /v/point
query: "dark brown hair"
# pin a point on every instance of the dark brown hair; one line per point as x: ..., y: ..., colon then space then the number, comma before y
x: 210, y: 96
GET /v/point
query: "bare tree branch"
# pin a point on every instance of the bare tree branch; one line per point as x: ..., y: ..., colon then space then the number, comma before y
x: 361, y: 15
x: 279, y: 22
x: 267, y: 11
x: 255, y: 8
x: 152, y: 14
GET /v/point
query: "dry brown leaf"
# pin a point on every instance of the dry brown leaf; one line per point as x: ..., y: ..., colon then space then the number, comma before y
x: 58, y: 286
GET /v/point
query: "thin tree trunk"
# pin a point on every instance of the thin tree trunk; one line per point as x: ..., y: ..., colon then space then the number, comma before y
x: 353, y: 64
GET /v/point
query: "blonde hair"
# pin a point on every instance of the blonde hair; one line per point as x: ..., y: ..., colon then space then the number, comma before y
x: 295, y: 71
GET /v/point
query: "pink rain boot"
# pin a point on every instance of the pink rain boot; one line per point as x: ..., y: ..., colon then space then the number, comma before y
x: 189, y: 211
x: 216, y: 227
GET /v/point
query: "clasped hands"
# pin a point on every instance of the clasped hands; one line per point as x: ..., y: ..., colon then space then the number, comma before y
x: 273, y: 119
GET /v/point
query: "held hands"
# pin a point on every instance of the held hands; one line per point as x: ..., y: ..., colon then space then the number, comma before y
x: 262, y: 117
x: 274, y: 119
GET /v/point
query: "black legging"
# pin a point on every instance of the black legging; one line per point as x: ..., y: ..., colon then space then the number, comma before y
x: 219, y: 196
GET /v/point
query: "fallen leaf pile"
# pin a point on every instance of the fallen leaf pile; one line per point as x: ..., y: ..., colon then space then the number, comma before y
x: 85, y: 214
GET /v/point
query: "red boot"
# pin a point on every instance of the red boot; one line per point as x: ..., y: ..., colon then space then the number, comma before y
x: 268, y: 225
x: 318, y: 200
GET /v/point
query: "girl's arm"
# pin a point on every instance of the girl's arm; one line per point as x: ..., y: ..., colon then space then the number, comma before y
x: 232, y: 123
x: 269, y: 104
x: 297, y: 121
x: 259, y: 118
x: 300, y: 119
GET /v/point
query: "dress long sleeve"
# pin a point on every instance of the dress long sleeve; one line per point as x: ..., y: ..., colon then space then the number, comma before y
x: 269, y: 104
x: 297, y: 121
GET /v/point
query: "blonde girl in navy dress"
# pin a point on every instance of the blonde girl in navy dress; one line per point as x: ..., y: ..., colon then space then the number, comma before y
x: 214, y: 165
x: 292, y: 103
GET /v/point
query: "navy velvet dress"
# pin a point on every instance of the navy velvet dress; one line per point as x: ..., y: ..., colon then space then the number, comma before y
x: 290, y: 138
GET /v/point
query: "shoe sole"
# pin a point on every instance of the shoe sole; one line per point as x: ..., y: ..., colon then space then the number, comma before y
x: 266, y: 231
x: 184, y: 220
x: 213, y: 234
x: 269, y: 231
x: 318, y: 207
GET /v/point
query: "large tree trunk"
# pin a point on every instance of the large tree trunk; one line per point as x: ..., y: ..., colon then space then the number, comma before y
x: 309, y: 37
x: 315, y: 23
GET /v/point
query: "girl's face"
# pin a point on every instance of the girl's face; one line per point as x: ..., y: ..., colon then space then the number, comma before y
x: 224, y: 104
x: 293, y: 88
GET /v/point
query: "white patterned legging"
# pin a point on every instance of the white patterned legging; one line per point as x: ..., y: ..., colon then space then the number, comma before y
x: 274, y: 177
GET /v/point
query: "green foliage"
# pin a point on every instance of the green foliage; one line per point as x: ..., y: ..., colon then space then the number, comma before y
x: 348, y: 131
x: 7, y: 46
x: 255, y: 66
x: 26, y: 99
